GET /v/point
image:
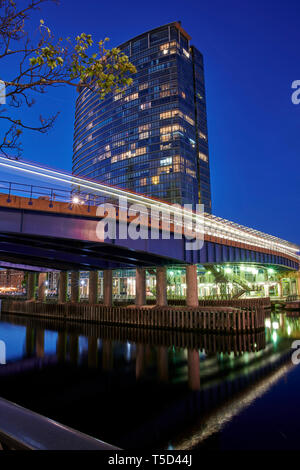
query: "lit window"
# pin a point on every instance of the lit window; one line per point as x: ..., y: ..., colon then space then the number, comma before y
x: 145, y: 106
x: 145, y: 127
x: 140, y: 151
x: 143, y: 86
x: 166, y: 161
x: 143, y: 181
x: 155, y: 179
x: 203, y: 157
x: 132, y: 97
x: 144, y: 135
x: 118, y: 96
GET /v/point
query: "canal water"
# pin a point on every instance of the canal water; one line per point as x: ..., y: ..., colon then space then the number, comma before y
x: 146, y: 389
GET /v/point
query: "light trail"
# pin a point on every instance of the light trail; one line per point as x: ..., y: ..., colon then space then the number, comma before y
x: 214, y: 226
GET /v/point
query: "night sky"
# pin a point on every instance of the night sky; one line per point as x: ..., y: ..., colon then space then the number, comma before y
x: 252, y: 56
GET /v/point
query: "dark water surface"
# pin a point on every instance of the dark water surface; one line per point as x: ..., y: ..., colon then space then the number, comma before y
x: 138, y: 388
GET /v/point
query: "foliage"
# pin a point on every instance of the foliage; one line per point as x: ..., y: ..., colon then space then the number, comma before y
x: 49, y: 62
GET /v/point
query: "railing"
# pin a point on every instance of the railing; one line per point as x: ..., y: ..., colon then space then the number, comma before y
x: 293, y: 298
x: 91, y: 193
x: 22, y: 429
x: 242, y: 317
x: 50, y: 194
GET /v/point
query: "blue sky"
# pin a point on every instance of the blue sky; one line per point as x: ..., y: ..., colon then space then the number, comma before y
x: 251, y: 53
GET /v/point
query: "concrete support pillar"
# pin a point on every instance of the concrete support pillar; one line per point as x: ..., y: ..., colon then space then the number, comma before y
x: 75, y: 286
x: 161, y: 287
x: 280, y: 291
x: 191, y: 286
x: 107, y: 287
x: 194, y: 369
x: 140, y: 287
x: 31, y: 279
x: 62, y: 287
x: 298, y: 282
x: 42, y: 287
x: 40, y: 343
x: 93, y: 287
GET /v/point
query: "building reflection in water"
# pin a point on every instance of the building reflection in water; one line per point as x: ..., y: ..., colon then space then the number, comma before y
x: 201, y: 380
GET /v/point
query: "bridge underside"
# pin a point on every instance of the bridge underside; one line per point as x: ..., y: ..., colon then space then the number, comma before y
x: 64, y: 254
x: 28, y: 252
x: 34, y: 239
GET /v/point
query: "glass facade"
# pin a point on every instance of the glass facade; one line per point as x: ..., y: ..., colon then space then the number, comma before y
x: 151, y: 139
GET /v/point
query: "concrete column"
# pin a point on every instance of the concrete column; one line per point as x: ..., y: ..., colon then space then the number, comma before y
x: 93, y: 287
x: 40, y: 343
x: 298, y: 282
x: 140, y: 287
x: 191, y: 286
x: 280, y: 292
x: 193, y: 369
x: 62, y: 287
x: 161, y: 286
x: 42, y: 287
x: 75, y: 286
x: 107, y: 287
x: 31, y: 286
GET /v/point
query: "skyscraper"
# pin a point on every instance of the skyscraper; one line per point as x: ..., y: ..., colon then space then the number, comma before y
x: 152, y: 139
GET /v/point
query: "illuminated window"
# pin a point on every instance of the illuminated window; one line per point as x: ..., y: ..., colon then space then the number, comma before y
x: 132, y: 97
x: 143, y: 181
x: 165, y: 169
x: 190, y: 172
x: 202, y: 136
x: 144, y: 135
x: 166, y: 161
x: 145, y: 106
x: 165, y: 137
x: 118, y: 96
x: 145, y: 127
x: 203, y: 157
x: 140, y: 151
x: 173, y: 128
x: 155, y: 179
x: 143, y: 86
x: 165, y: 146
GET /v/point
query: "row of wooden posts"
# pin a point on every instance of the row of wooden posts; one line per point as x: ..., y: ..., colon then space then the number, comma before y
x: 217, y: 319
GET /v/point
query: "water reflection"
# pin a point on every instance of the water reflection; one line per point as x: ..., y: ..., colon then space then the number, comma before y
x: 141, y: 388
